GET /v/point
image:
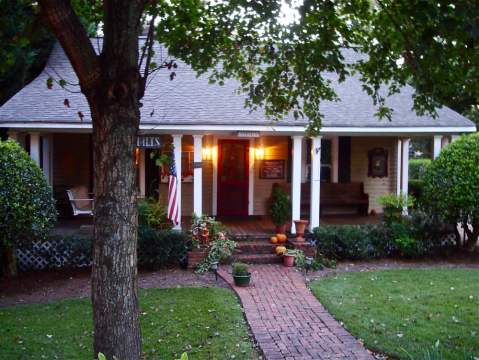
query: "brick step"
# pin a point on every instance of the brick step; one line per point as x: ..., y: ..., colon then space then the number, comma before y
x: 255, y: 247
x: 258, y: 258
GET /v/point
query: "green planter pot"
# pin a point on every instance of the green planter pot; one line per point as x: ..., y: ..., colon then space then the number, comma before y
x: 242, y: 280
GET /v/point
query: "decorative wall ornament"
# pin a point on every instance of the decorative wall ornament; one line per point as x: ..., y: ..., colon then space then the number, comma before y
x: 378, y: 163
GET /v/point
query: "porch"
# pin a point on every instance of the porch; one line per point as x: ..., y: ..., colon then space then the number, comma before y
x: 331, y: 179
x: 241, y: 227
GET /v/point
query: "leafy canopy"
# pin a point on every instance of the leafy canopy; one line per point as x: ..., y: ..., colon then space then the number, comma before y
x: 281, y: 60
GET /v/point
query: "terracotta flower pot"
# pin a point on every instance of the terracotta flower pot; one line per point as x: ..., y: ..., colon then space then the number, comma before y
x: 281, y: 229
x: 300, y: 227
x: 288, y: 260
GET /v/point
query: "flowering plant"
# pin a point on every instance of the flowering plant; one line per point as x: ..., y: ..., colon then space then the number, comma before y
x: 206, y: 229
x: 220, y: 249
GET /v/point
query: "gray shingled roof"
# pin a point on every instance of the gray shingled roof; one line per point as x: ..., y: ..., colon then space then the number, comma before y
x: 191, y: 100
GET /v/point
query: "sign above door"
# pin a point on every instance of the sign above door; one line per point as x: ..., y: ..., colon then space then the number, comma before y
x: 148, y: 142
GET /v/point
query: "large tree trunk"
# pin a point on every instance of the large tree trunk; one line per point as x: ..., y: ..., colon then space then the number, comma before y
x: 111, y: 82
x: 114, y: 273
x: 9, y: 261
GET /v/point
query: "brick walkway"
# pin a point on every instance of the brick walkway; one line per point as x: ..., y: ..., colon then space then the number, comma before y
x: 288, y: 322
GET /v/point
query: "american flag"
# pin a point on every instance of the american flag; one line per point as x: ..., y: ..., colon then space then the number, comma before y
x: 172, y: 193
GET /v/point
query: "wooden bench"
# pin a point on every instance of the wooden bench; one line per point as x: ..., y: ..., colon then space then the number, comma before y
x: 337, y: 195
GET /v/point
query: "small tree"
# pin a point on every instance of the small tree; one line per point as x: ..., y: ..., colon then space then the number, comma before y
x: 27, y: 208
x: 451, y: 186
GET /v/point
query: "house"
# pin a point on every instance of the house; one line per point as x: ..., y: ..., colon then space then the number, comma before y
x: 230, y: 157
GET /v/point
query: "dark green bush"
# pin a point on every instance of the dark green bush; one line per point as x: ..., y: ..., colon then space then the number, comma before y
x: 59, y: 251
x: 27, y: 207
x: 451, y: 186
x: 352, y: 242
x: 418, y: 167
x: 416, y: 188
x: 416, y: 235
x: 160, y: 248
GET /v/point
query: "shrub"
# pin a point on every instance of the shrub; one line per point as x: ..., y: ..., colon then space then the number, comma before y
x: 418, y: 167
x: 160, y: 248
x: 451, y: 186
x: 352, y: 242
x: 58, y: 251
x: 153, y: 214
x: 393, y: 205
x: 239, y: 269
x: 416, y: 189
x: 280, y: 206
x: 27, y: 208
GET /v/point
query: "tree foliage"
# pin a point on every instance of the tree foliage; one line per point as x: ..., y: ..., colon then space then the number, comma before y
x: 451, y: 186
x: 431, y: 44
x: 25, y: 43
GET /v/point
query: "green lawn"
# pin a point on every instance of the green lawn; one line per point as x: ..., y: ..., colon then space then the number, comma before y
x: 404, y: 313
x: 205, y: 322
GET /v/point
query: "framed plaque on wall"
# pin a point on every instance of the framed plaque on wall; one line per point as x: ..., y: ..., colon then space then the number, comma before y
x: 378, y: 163
x: 272, y: 169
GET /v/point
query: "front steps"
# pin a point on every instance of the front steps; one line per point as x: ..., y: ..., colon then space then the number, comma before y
x: 257, y: 251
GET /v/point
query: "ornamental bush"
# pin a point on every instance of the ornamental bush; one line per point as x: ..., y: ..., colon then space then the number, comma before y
x: 352, y: 242
x: 417, y: 169
x: 27, y: 207
x: 161, y: 248
x: 451, y: 186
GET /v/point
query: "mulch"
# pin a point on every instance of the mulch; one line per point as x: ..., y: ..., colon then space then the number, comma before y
x: 50, y: 285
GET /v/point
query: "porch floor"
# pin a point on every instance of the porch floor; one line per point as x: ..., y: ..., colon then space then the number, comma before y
x: 254, y: 226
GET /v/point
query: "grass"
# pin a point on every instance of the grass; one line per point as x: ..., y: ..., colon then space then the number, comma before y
x: 205, y: 322
x: 408, y: 313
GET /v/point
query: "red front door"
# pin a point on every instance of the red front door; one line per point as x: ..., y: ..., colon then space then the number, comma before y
x: 233, y: 165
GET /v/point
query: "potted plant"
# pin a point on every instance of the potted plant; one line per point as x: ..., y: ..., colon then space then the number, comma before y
x: 280, y: 209
x: 241, y: 274
x: 300, y: 226
x: 288, y: 258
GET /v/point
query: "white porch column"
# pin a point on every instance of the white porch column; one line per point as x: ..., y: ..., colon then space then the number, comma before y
x: 197, y: 175
x: 177, y: 153
x: 334, y: 159
x: 47, y: 157
x: 296, y: 181
x: 437, y: 146
x: 405, y: 169
x: 315, y: 182
x: 398, y: 167
x: 141, y: 173
x: 35, y: 147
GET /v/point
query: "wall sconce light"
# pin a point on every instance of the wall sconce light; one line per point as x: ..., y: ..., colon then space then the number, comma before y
x: 259, y: 153
x: 137, y: 156
x: 207, y: 154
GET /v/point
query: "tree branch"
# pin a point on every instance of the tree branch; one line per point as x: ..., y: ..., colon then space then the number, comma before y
x: 74, y: 40
x: 150, y: 40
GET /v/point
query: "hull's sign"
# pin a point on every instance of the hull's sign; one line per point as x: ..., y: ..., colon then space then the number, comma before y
x: 148, y: 141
